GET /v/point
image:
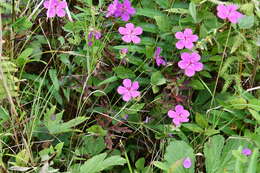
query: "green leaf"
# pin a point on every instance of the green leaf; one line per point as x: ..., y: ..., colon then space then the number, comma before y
x: 139, y: 164
x: 246, y: 22
x: 201, y: 120
x: 238, y: 41
x: 197, y: 85
x: 178, y: 11
x: 22, y: 24
x: 148, y: 12
x: 163, y: 23
x: 22, y: 158
x: 123, y: 72
x: 253, y: 161
x: 135, y: 108
x: 99, y: 162
x: 193, y: 127
x: 157, y: 79
x: 98, y: 130
x: 92, y: 145
x: 212, y: 150
x: 255, y: 114
x: 193, y: 12
x: 54, y: 79
x: 109, y: 80
x: 23, y: 57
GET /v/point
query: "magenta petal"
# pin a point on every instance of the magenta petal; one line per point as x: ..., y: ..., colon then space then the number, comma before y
x: 125, y: 17
x: 136, y: 39
x: 130, y: 26
x: 183, y: 64
x: 194, y: 57
x: 135, y: 85
x: 189, y: 72
x: 127, y: 83
x: 172, y: 114
x: 177, y: 122
x: 135, y: 93
x: 179, y: 108
x: 187, y: 32
x: 179, y: 35
x: 60, y: 12
x: 122, y: 31
x: 185, y: 113
x: 127, y: 38
x: 198, y: 66
x: 62, y: 4
x: 185, y: 56
x: 138, y: 31
x: 180, y: 44
x: 189, y: 45
x: 51, y: 12
x: 121, y: 90
x: 46, y: 4
x: 187, y: 162
x: 127, y: 97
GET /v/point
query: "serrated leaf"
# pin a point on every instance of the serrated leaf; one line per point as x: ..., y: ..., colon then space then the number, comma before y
x: 157, y: 79
x: 246, y: 22
x: 54, y: 79
x: 193, y: 127
x: 23, y: 57
x: 123, y: 72
x: 99, y: 162
x: 163, y: 23
x: 193, y: 12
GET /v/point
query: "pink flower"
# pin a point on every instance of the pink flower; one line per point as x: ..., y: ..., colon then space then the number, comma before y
x: 123, y: 10
x: 186, y: 39
x: 159, y: 59
x: 129, y: 90
x: 124, y: 51
x: 179, y: 116
x: 55, y: 7
x: 130, y: 33
x: 229, y: 12
x: 190, y: 63
x: 246, y: 152
x: 187, y: 162
x: 93, y: 34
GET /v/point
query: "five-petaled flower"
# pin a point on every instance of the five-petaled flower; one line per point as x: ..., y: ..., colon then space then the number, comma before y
x: 159, y: 59
x: 186, y: 39
x: 187, y: 162
x: 130, y: 33
x: 55, y: 7
x: 246, y: 152
x: 123, y: 10
x: 190, y: 63
x: 229, y: 12
x: 129, y: 90
x: 179, y: 115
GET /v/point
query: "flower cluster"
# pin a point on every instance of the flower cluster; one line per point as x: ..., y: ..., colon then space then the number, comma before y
x: 229, y: 12
x: 123, y: 10
x: 186, y: 39
x: 55, y: 7
x: 129, y: 90
x: 130, y: 33
x: 190, y: 63
x: 179, y: 115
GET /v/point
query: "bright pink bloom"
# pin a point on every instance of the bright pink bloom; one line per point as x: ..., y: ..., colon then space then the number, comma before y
x: 159, y: 59
x: 130, y: 33
x: 229, y: 12
x: 186, y: 39
x: 179, y: 116
x: 246, y: 152
x: 55, y: 7
x: 129, y: 90
x: 187, y: 162
x: 190, y: 63
x: 123, y: 10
